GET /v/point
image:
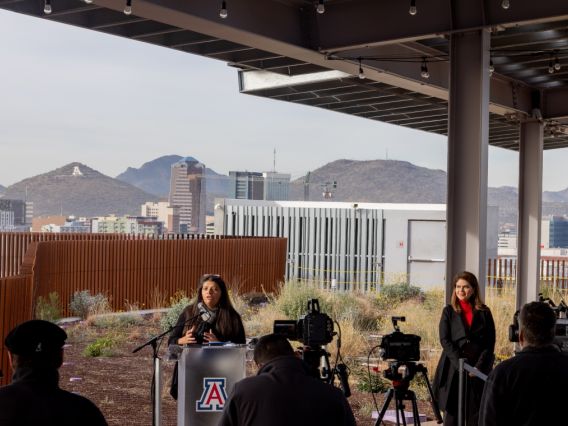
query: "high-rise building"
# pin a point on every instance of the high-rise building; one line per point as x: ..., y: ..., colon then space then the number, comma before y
x: 164, y: 212
x: 246, y: 185
x: 187, y: 192
x: 554, y: 232
x: 276, y: 186
x: 22, y: 210
x: 6, y: 220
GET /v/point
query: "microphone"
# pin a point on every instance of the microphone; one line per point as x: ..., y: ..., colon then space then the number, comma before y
x: 208, y: 318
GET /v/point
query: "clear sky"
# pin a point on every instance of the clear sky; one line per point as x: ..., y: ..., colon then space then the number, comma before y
x: 70, y: 94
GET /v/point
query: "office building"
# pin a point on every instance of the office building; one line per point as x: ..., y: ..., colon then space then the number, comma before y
x: 165, y: 213
x: 22, y: 210
x: 276, y: 186
x: 246, y: 185
x: 187, y: 192
x: 554, y: 232
x: 134, y: 225
x: 6, y: 220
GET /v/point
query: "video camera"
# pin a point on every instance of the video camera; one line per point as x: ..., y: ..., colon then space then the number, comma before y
x: 312, y: 329
x: 561, y: 330
x: 315, y: 329
x: 399, y: 346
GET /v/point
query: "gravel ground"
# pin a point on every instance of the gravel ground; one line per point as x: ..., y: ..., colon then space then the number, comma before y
x: 120, y: 384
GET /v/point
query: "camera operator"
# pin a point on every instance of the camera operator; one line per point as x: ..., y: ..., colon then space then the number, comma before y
x: 284, y: 393
x: 529, y: 389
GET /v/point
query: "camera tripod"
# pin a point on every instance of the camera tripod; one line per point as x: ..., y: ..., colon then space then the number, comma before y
x: 401, y: 392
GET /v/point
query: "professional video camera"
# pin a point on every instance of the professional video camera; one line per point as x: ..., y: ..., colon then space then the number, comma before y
x: 402, y: 351
x: 400, y: 346
x: 561, y: 331
x: 315, y: 330
x: 312, y: 329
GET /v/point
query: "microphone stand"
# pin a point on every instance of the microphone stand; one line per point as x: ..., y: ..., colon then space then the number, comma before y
x: 156, y: 386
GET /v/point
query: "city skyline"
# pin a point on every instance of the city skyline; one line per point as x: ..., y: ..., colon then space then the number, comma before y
x: 71, y: 94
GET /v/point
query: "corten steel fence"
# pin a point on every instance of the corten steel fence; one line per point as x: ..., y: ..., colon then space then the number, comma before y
x: 13, y: 245
x: 15, y: 307
x: 142, y: 271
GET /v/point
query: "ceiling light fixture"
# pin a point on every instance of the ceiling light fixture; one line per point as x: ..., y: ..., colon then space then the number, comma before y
x: 321, y: 7
x: 88, y: 1
x: 557, y: 65
x: 491, y: 67
x: 128, y: 7
x: 550, y: 66
x: 424, y: 73
x: 413, y: 10
x: 47, y: 7
x: 505, y: 4
x: 361, y: 73
x: 223, y: 13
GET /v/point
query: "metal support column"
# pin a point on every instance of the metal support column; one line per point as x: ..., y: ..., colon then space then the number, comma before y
x: 530, y: 211
x: 468, y: 138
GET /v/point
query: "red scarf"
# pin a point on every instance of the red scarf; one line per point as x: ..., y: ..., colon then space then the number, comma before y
x: 466, y: 311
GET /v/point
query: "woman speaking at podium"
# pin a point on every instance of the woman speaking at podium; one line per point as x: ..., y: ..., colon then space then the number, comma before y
x: 215, y: 319
x: 210, y: 319
x: 467, y: 331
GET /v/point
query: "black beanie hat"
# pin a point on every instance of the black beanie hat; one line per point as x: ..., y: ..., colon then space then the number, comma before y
x: 35, y: 337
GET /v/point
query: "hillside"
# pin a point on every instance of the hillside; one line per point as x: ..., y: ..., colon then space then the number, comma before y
x: 88, y: 193
x: 381, y: 181
x: 391, y: 181
x: 2, y: 190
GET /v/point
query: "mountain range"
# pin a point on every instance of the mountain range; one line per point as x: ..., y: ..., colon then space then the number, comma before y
x: 76, y: 189
x: 388, y: 181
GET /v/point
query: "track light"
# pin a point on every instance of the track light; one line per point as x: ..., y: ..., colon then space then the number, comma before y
x: 128, y: 7
x: 361, y: 73
x: 550, y: 66
x: 557, y: 65
x: 223, y: 13
x: 491, y: 67
x: 88, y: 1
x: 47, y: 7
x: 424, y: 73
x: 413, y: 11
x: 321, y: 7
x: 505, y: 4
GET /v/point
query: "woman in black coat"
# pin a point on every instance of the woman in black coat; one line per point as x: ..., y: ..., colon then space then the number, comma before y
x: 467, y: 331
x: 224, y: 324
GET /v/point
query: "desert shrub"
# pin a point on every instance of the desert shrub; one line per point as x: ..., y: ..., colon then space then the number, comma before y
x: 373, y: 382
x: 400, y: 292
x: 84, y: 304
x: 117, y: 321
x: 100, y: 347
x: 49, y: 308
x: 169, y: 319
x: 293, y: 298
x: 352, y: 307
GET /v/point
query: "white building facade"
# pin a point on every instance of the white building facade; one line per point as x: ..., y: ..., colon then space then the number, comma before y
x: 164, y: 212
x: 353, y: 246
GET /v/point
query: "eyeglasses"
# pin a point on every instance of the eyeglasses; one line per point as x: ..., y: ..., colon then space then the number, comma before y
x: 209, y: 276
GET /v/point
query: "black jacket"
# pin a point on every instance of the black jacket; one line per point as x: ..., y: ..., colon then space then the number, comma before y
x: 187, y: 319
x: 284, y: 394
x: 527, y: 390
x: 477, y: 344
x: 34, y: 398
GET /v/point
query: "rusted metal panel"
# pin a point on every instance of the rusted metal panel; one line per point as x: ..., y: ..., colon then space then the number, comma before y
x: 15, y: 307
x: 133, y: 270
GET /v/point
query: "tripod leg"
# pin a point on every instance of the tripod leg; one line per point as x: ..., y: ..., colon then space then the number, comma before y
x: 400, y: 409
x: 415, y: 414
x: 385, y: 406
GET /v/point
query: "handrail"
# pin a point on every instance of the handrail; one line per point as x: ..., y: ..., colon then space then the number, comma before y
x: 464, y: 367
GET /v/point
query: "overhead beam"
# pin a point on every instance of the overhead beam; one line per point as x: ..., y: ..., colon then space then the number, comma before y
x: 555, y: 104
x: 386, y: 21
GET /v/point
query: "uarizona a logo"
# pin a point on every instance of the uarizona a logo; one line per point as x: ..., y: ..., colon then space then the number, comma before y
x: 213, y: 396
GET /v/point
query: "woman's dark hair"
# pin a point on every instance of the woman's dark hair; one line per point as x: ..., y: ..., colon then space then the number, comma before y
x: 475, y: 299
x: 228, y: 319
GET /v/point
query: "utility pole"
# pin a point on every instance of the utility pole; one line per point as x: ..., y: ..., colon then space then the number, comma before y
x: 307, y: 187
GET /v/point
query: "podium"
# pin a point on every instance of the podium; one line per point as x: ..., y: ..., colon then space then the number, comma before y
x: 206, y: 376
